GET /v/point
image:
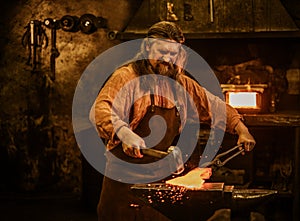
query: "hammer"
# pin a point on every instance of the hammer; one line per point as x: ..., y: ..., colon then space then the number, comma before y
x: 176, y: 162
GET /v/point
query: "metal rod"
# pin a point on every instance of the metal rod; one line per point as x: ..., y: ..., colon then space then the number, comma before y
x: 154, y: 153
x: 33, y: 44
x: 230, y: 150
x: 211, y: 10
x: 218, y: 162
x: 234, y: 155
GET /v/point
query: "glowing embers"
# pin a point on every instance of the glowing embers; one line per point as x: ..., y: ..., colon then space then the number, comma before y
x: 247, y: 98
x: 243, y: 99
x: 193, y: 180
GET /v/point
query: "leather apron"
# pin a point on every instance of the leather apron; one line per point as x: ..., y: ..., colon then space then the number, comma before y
x: 117, y: 201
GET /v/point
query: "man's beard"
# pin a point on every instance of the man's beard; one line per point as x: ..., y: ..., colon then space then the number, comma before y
x: 165, y: 69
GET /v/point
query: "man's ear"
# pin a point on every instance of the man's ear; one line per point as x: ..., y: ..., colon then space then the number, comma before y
x: 147, y: 47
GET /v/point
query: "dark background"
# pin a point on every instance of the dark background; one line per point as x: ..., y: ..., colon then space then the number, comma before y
x: 39, y: 155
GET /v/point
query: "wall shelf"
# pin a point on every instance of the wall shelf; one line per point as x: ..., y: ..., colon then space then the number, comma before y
x: 285, y: 119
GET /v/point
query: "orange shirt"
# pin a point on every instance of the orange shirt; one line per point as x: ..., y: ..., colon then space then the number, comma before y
x: 208, y: 109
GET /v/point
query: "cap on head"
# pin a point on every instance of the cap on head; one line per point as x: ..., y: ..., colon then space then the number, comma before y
x: 166, y: 30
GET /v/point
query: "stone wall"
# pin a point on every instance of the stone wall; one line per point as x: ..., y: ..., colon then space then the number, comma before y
x: 38, y: 148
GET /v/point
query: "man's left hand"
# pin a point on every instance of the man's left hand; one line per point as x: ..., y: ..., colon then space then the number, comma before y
x: 244, y: 136
x: 247, y: 140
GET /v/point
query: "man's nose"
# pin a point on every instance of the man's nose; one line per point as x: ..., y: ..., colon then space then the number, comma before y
x: 166, y: 58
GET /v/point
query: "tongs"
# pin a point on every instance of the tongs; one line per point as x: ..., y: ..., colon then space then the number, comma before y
x: 217, y: 160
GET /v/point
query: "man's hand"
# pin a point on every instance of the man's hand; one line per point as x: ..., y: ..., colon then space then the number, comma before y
x: 245, y: 137
x: 131, y: 142
x: 247, y: 140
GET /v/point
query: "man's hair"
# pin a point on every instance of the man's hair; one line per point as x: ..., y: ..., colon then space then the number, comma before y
x: 166, y: 30
x: 163, y: 30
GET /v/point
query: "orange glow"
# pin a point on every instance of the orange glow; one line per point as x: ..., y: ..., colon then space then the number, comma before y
x: 193, y: 180
x: 242, y: 99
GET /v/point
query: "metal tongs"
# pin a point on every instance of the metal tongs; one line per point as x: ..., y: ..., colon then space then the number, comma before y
x: 217, y: 160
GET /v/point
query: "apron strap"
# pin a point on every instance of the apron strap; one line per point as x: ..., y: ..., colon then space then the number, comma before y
x: 175, y: 99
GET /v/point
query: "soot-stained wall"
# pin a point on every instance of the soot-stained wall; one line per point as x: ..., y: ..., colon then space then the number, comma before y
x: 38, y: 148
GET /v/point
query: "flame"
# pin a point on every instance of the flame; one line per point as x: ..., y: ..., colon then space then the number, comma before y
x: 242, y: 99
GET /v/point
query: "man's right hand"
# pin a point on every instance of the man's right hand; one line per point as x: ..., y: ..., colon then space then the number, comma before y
x: 131, y: 142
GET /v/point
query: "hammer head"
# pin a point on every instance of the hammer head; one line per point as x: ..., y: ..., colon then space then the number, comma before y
x: 176, y: 162
x: 173, y: 154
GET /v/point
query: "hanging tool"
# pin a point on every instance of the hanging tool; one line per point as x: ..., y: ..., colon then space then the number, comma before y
x: 69, y: 23
x: 34, y: 39
x: 211, y: 10
x: 217, y: 162
x: 171, y: 16
x: 54, y: 52
x: 53, y: 25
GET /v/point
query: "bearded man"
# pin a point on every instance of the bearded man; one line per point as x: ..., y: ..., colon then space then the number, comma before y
x: 157, y: 98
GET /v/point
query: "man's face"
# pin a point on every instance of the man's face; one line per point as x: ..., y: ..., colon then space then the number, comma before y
x: 163, y: 55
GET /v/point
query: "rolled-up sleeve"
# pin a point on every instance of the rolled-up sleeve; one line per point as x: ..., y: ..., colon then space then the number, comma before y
x: 210, y: 108
x: 224, y: 116
x: 103, y: 114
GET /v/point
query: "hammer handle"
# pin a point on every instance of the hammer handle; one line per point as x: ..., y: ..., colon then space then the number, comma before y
x: 154, y: 153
